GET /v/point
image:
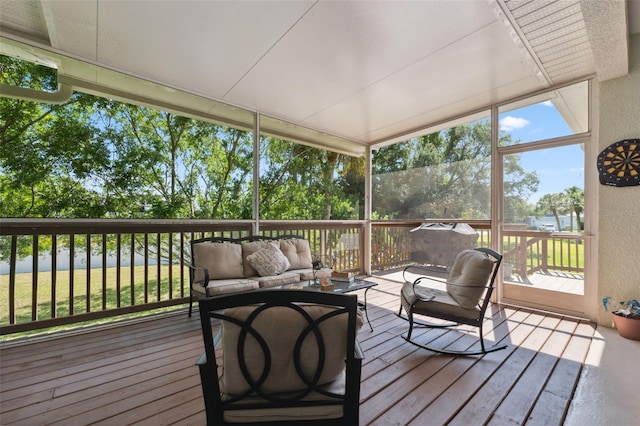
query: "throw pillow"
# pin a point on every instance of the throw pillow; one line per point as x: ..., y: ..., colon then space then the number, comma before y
x: 297, y: 251
x: 248, y: 248
x: 269, y: 261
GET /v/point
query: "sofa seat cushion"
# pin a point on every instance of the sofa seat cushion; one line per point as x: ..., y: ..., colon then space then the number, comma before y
x: 287, y: 277
x: 297, y: 252
x: 436, y: 301
x: 307, y: 273
x: 269, y: 261
x: 216, y: 287
x: 223, y: 260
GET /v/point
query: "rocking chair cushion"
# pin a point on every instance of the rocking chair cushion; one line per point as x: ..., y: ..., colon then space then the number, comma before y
x: 435, y: 301
x: 468, y: 277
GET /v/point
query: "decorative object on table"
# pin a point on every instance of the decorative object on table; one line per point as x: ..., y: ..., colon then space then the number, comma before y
x: 316, y: 265
x: 626, y: 317
x: 343, y: 277
x: 619, y: 163
x: 326, y: 284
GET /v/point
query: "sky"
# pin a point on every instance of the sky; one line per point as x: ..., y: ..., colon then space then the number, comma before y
x: 557, y: 168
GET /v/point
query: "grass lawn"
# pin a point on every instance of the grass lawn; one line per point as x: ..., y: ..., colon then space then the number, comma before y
x: 89, y: 298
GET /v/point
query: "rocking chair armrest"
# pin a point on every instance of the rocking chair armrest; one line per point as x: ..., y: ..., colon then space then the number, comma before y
x: 419, y: 280
x: 202, y: 359
x: 467, y: 286
x: 420, y: 268
x: 359, y: 352
x: 217, y: 339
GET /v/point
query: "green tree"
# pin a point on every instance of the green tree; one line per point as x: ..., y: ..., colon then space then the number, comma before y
x: 576, y: 204
x: 176, y: 166
x: 555, y: 204
x: 49, y: 156
x: 444, y: 175
x: 301, y: 182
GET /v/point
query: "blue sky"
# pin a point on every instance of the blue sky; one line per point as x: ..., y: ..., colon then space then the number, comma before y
x: 557, y: 168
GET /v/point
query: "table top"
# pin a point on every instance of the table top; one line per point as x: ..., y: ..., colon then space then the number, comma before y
x: 338, y: 286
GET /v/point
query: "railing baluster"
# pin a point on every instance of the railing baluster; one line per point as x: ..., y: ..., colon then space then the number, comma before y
x: 34, y: 278
x: 146, y: 268
x: 118, y: 270
x: 72, y: 257
x: 158, y: 266
x: 54, y: 274
x: 170, y: 263
x: 12, y: 279
x: 104, y: 272
x: 132, y: 269
x: 88, y: 274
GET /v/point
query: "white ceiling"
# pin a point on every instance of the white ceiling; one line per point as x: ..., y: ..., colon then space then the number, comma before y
x: 364, y: 72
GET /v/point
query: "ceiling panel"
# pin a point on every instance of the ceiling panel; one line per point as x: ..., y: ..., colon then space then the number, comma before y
x: 206, y: 46
x: 338, y: 49
x: 73, y: 26
x: 473, y: 67
x: 364, y: 71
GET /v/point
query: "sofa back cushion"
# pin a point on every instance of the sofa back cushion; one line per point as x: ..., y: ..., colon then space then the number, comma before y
x: 297, y: 251
x: 223, y: 260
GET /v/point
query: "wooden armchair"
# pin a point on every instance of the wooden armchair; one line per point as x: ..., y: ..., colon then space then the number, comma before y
x: 464, y: 300
x: 288, y: 357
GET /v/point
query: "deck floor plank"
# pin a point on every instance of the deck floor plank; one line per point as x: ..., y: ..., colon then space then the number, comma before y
x: 143, y: 372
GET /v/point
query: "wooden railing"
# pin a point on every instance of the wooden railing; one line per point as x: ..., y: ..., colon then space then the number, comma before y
x: 391, y: 241
x: 533, y: 251
x: 81, y: 270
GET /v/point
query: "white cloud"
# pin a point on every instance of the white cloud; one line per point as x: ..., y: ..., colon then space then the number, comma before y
x: 509, y: 123
x: 548, y: 104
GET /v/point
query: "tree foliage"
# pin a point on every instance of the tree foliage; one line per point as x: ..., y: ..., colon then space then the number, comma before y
x: 444, y: 175
x: 557, y: 204
x: 96, y: 157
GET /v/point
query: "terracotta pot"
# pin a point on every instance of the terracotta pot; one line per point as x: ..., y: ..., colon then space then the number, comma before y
x: 627, y: 327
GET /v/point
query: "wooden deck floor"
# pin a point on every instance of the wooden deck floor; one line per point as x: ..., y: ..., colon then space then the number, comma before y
x: 144, y: 374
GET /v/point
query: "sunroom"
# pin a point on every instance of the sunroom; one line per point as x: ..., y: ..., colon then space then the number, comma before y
x: 353, y: 124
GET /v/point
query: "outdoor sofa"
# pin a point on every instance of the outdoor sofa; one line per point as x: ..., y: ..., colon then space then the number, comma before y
x: 227, y: 265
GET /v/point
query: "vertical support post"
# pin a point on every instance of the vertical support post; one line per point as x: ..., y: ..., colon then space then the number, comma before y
x: 255, y: 226
x: 365, y: 253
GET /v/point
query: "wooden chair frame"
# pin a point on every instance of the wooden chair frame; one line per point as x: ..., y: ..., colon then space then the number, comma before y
x: 411, y: 308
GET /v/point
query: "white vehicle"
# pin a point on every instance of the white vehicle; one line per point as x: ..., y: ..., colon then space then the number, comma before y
x: 547, y: 227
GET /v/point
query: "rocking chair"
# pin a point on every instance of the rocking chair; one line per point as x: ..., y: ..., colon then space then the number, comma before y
x: 464, y: 301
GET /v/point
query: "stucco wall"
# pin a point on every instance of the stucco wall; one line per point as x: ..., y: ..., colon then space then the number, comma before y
x: 618, y: 231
